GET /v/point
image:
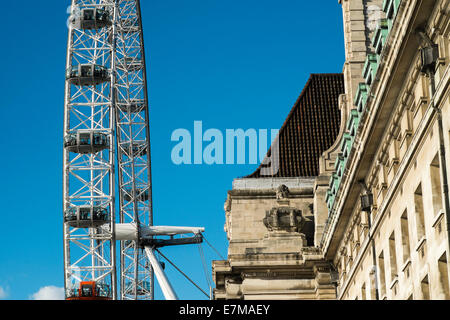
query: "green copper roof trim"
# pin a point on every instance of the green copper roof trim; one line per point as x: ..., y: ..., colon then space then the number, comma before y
x: 388, y: 3
x: 370, y: 66
x: 330, y: 202
x: 380, y: 36
x: 329, y: 196
x: 346, y: 143
x: 353, y: 119
x: 385, y: 5
x: 338, y: 162
x: 361, y: 96
x: 340, y: 166
x: 390, y: 7
x: 335, y: 181
x: 353, y: 123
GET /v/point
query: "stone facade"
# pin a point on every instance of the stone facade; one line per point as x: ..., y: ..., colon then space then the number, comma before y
x: 398, y: 247
x: 271, y: 254
x: 315, y: 238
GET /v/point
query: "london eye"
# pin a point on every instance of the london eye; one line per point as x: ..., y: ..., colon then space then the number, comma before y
x: 109, y: 237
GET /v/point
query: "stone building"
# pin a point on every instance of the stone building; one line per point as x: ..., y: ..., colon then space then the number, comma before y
x: 358, y: 209
x: 270, y: 216
x: 387, y: 230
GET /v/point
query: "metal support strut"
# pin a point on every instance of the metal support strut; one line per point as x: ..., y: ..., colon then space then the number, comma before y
x: 166, y: 287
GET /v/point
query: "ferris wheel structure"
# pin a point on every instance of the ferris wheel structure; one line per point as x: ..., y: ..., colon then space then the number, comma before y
x: 109, y: 237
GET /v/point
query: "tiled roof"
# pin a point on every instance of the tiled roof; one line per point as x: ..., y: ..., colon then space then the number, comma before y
x: 310, y: 128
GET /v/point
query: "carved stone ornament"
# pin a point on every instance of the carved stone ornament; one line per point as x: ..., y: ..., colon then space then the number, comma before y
x: 284, y: 219
x: 282, y: 192
x: 227, y: 205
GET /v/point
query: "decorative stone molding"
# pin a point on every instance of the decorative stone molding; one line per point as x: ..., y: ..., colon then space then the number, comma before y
x: 284, y: 219
x: 310, y: 251
x: 282, y: 192
x: 227, y: 209
x: 328, y: 158
x: 233, y: 288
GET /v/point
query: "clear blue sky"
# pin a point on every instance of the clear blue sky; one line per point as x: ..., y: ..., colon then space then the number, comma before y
x: 230, y: 64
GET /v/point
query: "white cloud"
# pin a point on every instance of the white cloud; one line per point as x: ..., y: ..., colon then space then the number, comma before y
x: 3, y: 293
x: 49, y: 293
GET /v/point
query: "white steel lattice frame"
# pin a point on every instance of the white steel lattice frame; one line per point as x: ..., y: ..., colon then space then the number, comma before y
x: 117, y: 108
x: 133, y: 149
x: 89, y: 253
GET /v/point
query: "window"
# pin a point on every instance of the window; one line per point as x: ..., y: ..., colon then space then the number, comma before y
x: 89, y: 14
x: 74, y: 72
x: 102, y: 15
x: 86, y: 290
x: 97, y: 139
x: 85, y: 213
x: 86, y: 71
x: 418, y: 206
x: 363, y: 292
x: 85, y: 139
x: 422, y: 251
x: 425, y: 286
x: 404, y: 227
x: 443, y: 276
x: 436, y: 187
x: 393, y: 256
x: 382, y: 277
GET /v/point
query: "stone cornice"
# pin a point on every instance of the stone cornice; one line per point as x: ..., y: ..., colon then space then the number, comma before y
x: 269, y: 193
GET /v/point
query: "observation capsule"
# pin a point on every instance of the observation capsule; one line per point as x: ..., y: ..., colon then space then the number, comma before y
x: 86, y: 142
x: 91, y: 18
x: 87, y: 74
x: 86, y: 216
x: 89, y: 290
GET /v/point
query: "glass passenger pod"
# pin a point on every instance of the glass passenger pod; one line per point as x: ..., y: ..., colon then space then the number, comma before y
x: 140, y: 194
x: 136, y: 149
x: 131, y: 64
x: 86, y: 142
x: 86, y: 216
x: 87, y: 75
x: 89, y: 290
x: 92, y: 18
x: 133, y: 106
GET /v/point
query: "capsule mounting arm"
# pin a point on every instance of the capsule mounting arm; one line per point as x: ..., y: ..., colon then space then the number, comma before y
x: 129, y: 231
